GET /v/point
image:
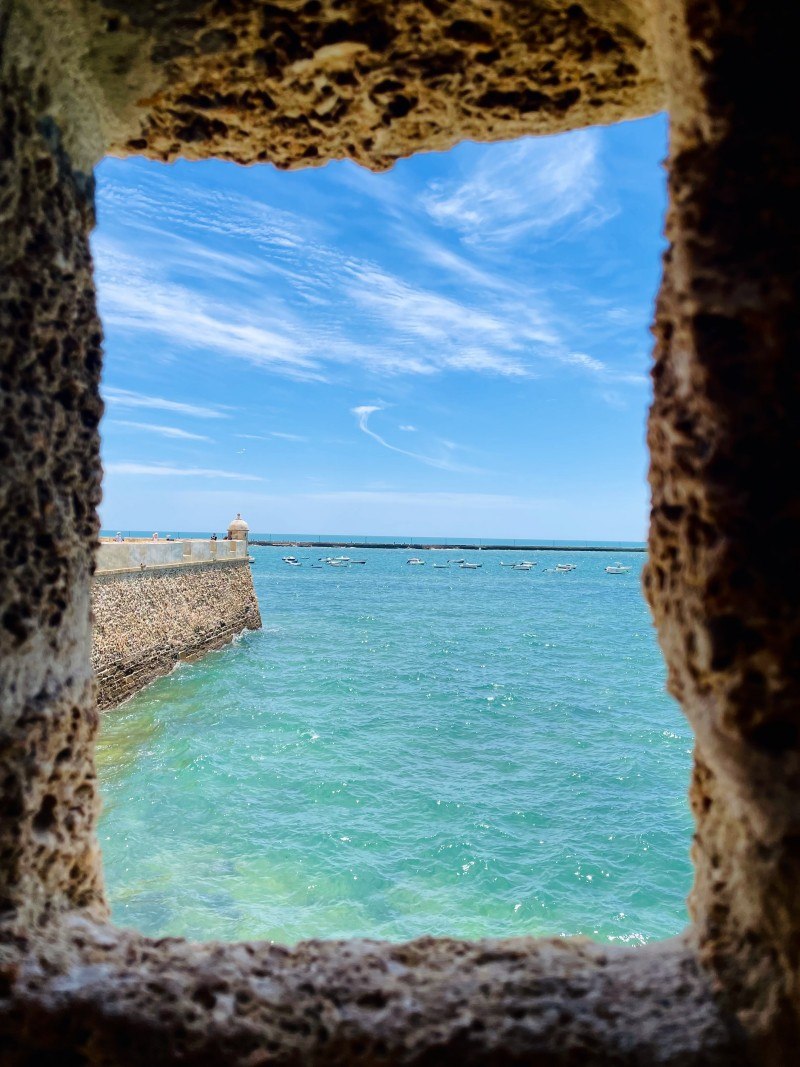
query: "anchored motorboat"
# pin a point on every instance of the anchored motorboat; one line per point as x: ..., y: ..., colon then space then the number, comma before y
x: 293, y: 561
x: 617, y: 568
x: 415, y: 561
x: 565, y: 568
x: 524, y: 566
x: 469, y: 566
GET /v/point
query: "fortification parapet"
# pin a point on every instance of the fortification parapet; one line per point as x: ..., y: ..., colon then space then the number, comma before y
x: 135, y: 554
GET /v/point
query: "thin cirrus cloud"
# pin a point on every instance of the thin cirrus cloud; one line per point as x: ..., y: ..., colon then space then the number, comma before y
x: 127, y: 398
x: 363, y: 414
x: 164, y: 471
x: 267, y: 331
x: 272, y: 434
x: 458, y: 287
x: 522, y: 187
x: 164, y: 431
x: 132, y: 300
x: 309, y: 309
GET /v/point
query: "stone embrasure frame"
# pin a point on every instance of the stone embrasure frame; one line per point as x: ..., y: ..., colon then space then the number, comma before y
x: 297, y: 82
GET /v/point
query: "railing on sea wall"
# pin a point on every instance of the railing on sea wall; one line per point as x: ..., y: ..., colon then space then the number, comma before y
x: 138, y: 554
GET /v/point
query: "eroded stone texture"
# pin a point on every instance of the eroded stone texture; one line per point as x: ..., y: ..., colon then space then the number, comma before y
x: 50, y: 485
x: 114, y: 997
x: 297, y: 82
x: 145, y: 622
x: 723, y: 576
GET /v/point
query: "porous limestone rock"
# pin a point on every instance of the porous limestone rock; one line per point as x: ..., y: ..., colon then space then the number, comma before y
x: 304, y: 81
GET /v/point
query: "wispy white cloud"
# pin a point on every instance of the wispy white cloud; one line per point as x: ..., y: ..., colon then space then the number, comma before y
x: 281, y: 291
x: 531, y: 185
x: 132, y: 300
x: 363, y: 413
x: 164, y: 431
x: 288, y: 436
x: 271, y: 434
x: 162, y: 470
x: 407, y: 429
x: 484, y: 359
x: 589, y: 363
x: 127, y: 398
x: 449, y: 327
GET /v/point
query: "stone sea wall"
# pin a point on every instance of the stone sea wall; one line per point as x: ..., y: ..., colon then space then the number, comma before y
x: 146, y: 621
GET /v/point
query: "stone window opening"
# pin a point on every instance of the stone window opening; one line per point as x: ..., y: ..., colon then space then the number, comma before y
x: 295, y: 84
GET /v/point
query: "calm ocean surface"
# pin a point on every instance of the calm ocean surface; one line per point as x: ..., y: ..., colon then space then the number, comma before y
x: 405, y: 751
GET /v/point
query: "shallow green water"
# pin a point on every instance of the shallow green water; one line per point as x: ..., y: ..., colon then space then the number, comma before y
x: 408, y: 750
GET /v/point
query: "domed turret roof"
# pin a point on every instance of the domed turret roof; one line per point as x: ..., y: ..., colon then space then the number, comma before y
x: 238, y: 524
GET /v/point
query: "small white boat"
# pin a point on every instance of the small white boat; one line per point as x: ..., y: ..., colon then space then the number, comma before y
x: 455, y: 561
x: 469, y: 566
x: 337, y: 562
x: 441, y: 566
x: 415, y: 561
x: 292, y: 561
x: 523, y: 566
x: 565, y: 568
x: 617, y: 568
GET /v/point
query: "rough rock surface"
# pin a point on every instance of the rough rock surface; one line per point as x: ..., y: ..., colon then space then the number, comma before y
x: 303, y: 81
x: 298, y: 83
x: 49, y: 490
x: 723, y: 578
x: 147, y: 621
x: 115, y: 997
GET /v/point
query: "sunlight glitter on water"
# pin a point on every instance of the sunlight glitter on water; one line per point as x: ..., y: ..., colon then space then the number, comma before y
x: 405, y: 751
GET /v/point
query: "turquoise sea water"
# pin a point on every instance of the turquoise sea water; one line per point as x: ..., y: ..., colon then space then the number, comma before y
x: 404, y: 751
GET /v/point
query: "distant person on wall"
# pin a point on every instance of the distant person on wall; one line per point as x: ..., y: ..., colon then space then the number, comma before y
x: 155, y: 536
x: 118, y: 537
x: 169, y: 537
x: 213, y: 537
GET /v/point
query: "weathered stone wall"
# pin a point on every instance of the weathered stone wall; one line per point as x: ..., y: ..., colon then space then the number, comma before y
x: 134, y: 553
x: 146, y: 621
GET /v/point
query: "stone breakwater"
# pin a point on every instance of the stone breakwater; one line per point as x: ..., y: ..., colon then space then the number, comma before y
x: 146, y: 621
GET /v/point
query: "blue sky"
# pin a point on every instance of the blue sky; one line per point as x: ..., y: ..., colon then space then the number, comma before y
x: 459, y: 346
